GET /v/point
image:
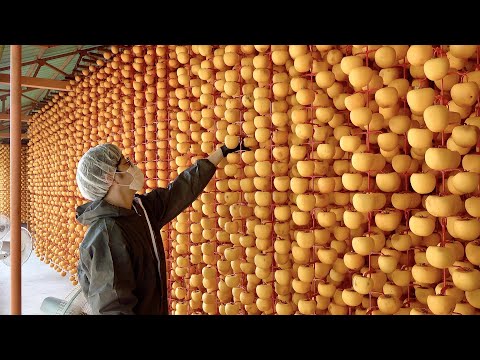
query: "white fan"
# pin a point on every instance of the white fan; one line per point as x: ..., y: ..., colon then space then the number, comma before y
x: 74, y: 304
x: 5, y: 238
x: 4, y: 226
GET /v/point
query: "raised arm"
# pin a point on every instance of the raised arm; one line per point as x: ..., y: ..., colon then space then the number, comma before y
x: 180, y: 193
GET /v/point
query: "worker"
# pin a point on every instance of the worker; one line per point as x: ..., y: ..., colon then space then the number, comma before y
x: 122, y: 266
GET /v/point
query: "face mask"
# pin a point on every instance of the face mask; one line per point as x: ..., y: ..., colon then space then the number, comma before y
x: 138, y: 178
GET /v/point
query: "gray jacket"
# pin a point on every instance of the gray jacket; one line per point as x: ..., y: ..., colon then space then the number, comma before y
x: 121, y: 270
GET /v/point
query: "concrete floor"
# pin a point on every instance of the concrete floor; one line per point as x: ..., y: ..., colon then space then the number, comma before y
x: 38, y: 282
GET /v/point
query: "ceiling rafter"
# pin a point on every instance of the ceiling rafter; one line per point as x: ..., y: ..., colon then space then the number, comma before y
x: 35, y: 68
x: 86, y: 57
x: 39, y: 83
x: 29, y: 98
x: 6, y: 117
x: 55, y: 68
x: 38, y: 105
x: 53, y: 57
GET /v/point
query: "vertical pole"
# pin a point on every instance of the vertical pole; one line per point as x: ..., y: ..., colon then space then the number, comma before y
x: 15, y: 181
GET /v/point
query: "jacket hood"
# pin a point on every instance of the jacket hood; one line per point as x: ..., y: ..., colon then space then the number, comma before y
x: 92, y: 211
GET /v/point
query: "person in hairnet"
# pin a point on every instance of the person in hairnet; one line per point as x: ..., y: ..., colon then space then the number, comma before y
x: 122, y: 266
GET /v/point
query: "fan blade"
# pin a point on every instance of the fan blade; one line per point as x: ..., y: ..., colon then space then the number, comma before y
x: 53, y: 306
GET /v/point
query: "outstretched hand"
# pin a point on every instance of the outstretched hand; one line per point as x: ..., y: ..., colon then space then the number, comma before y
x: 240, y: 147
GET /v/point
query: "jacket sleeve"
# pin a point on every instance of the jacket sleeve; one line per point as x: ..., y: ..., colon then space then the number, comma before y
x: 180, y: 193
x: 106, y: 273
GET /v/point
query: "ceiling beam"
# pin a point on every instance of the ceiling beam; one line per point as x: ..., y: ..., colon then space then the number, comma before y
x: 7, y: 136
x: 29, y: 98
x: 6, y: 117
x: 37, y: 83
x: 100, y: 49
x: 55, y: 68
x: 35, y: 73
x: 91, y: 61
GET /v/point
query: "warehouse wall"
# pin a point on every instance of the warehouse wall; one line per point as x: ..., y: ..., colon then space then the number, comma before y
x: 5, y: 182
x: 325, y: 215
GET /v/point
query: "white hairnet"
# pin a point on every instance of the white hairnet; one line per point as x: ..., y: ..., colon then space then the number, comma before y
x: 96, y: 170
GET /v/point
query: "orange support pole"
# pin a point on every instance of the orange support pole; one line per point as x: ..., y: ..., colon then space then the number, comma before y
x: 15, y: 177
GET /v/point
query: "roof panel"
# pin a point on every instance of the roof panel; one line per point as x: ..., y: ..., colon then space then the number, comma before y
x: 61, y: 64
x: 32, y: 52
x: 5, y: 60
x: 69, y: 68
x: 46, y: 73
x: 61, y: 49
x: 29, y: 52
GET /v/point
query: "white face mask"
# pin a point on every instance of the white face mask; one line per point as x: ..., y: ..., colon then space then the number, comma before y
x: 138, y: 178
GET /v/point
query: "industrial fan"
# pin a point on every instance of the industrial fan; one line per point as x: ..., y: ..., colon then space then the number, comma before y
x: 5, y: 234
x: 74, y: 304
x: 4, y: 226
